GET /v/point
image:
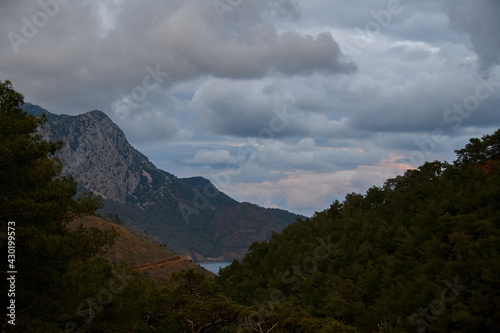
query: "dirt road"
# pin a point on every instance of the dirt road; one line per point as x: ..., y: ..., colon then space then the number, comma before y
x: 160, y: 264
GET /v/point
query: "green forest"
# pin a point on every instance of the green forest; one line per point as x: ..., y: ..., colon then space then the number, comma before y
x: 418, y: 254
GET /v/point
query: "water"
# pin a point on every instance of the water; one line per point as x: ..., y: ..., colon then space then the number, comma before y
x: 214, y: 266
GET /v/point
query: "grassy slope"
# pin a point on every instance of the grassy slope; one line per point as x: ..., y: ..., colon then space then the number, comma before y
x: 138, y: 251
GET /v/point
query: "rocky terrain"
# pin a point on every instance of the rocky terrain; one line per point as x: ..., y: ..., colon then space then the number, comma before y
x: 189, y: 215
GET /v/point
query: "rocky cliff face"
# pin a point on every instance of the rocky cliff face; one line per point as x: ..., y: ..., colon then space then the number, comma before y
x: 98, y: 155
x: 151, y: 201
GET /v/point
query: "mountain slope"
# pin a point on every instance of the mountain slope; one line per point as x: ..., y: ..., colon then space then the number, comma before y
x: 419, y: 254
x: 188, y: 215
x: 146, y: 256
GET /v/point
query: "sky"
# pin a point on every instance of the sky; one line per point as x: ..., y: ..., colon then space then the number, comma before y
x: 284, y: 103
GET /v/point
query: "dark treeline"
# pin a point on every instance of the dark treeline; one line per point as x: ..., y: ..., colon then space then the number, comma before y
x: 420, y: 253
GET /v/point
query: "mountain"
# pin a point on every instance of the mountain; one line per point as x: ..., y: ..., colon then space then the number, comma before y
x: 189, y: 215
x: 146, y: 256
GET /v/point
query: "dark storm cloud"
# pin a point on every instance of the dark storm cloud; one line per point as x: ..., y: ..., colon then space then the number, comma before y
x: 246, y: 108
x: 75, y: 62
x: 200, y: 87
x: 480, y: 20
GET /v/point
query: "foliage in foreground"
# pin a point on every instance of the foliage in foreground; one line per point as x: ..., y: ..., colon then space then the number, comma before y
x: 39, y: 203
x: 420, y: 253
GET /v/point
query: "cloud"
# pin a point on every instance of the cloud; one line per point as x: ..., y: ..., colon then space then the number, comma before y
x: 244, y: 108
x: 206, y: 156
x: 266, y: 89
x: 89, y: 56
x: 160, y: 127
x: 307, y: 155
x: 305, y: 192
x: 479, y: 20
x: 177, y: 35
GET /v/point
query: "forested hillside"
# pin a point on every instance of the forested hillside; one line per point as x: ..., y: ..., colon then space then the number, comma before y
x: 420, y: 253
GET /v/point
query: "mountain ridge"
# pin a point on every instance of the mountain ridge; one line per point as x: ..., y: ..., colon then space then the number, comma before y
x: 189, y: 215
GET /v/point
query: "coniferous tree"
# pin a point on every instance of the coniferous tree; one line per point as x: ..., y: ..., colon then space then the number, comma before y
x: 421, y: 253
x: 39, y: 202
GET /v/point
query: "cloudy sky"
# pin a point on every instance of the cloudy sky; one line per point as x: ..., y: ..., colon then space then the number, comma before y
x: 283, y: 103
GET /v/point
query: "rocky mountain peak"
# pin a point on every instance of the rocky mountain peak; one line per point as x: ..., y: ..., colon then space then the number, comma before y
x: 97, y: 153
x: 171, y: 210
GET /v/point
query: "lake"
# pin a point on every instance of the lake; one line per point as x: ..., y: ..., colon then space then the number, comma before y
x: 214, y: 266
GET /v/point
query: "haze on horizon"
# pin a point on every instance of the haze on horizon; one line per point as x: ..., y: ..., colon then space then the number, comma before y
x: 283, y: 103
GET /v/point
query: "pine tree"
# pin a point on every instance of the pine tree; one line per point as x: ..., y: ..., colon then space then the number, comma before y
x: 38, y: 202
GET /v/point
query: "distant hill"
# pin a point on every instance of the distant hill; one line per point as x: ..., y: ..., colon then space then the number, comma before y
x: 189, y: 215
x: 419, y: 254
x: 146, y: 256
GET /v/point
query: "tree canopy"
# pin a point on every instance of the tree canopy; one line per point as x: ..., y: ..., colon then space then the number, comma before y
x: 420, y: 253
